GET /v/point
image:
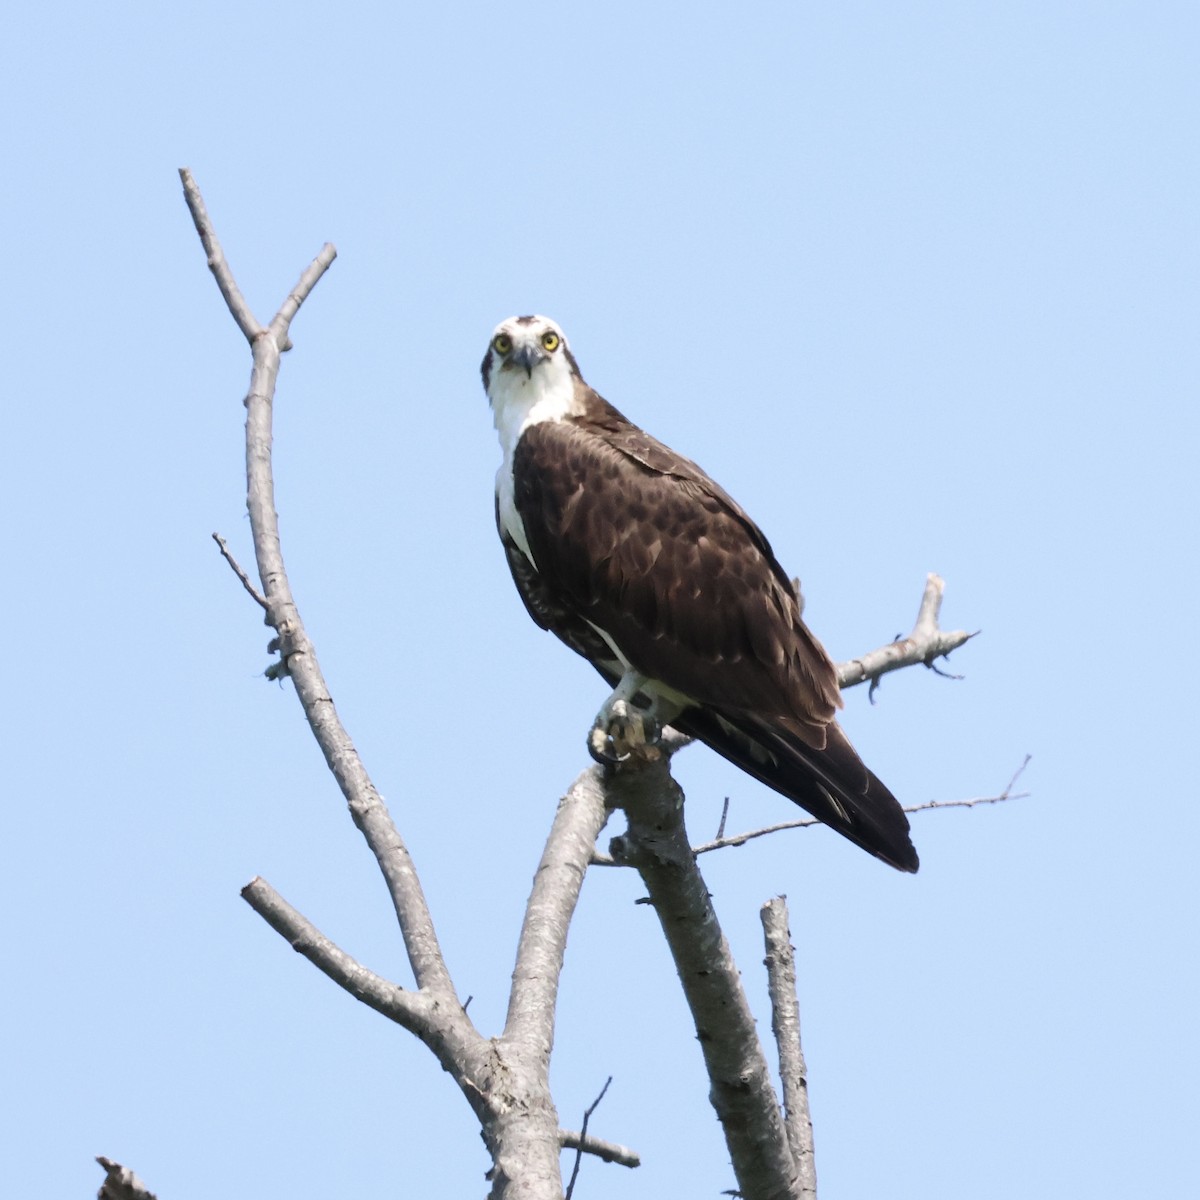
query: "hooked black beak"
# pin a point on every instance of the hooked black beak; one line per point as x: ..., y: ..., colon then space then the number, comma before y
x: 527, y: 357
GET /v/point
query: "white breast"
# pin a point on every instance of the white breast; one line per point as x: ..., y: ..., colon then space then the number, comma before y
x: 510, y: 520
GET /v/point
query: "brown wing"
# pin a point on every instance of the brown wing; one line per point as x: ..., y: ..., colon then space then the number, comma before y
x: 644, y: 545
x: 632, y: 539
x: 549, y: 611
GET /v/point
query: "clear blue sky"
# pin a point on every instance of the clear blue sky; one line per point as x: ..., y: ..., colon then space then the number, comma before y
x: 917, y: 282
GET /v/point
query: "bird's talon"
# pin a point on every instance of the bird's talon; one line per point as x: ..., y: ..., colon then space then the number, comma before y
x: 602, y: 747
x: 621, y: 732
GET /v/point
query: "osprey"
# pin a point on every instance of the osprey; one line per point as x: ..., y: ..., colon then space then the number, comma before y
x: 641, y: 563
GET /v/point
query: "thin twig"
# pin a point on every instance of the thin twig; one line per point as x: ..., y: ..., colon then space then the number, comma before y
x: 740, y: 839
x: 247, y: 583
x: 1007, y: 794
x: 587, y: 1116
x: 724, y: 818
x: 1015, y: 776
x: 974, y: 802
x: 600, y: 859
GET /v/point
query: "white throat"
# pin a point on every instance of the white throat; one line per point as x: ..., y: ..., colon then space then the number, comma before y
x: 519, y: 401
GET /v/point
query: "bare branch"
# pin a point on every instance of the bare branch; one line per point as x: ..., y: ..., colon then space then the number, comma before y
x: 410, y: 1009
x: 741, y: 1093
x: 440, y: 1025
x: 740, y: 839
x: 236, y: 302
x: 1007, y: 794
x: 600, y: 859
x: 608, y: 1151
x: 505, y: 1080
x: 309, y: 280
x: 587, y: 1116
x: 925, y: 644
x: 533, y: 999
x: 366, y: 805
x: 121, y: 1183
x: 785, y: 1025
x: 724, y: 818
x: 236, y: 567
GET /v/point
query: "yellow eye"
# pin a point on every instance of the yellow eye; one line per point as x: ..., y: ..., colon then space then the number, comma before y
x: 550, y: 340
x: 502, y: 343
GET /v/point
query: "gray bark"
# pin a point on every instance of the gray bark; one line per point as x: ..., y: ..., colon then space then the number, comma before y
x: 741, y: 1093
x: 785, y: 1027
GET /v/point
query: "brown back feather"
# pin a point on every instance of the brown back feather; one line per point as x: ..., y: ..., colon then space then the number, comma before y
x: 645, y: 545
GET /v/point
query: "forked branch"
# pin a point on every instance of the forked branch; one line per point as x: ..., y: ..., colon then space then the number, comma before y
x: 925, y: 644
x: 296, y: 651
x: 505, y: 1079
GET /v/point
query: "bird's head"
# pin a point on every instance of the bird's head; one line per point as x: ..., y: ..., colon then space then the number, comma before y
x: 527, y: 357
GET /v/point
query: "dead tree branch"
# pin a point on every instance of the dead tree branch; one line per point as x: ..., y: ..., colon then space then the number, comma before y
x: 217, y: 264
x: 410, y: 1009
x: 974, y: 802
x: 587, y: 1116
x: 525, y: 1131
x: 600, y: 859
x: 532, y: 1003
x: 506, y: 1080
x: 236, y: 568
x: 656, y: 845
x: 926, y: 644
x: 740, y: 839
x: 785, y: 1026
x: 296, y: 651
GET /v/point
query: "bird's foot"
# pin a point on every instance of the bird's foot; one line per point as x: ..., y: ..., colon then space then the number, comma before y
x: 623, y: 731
